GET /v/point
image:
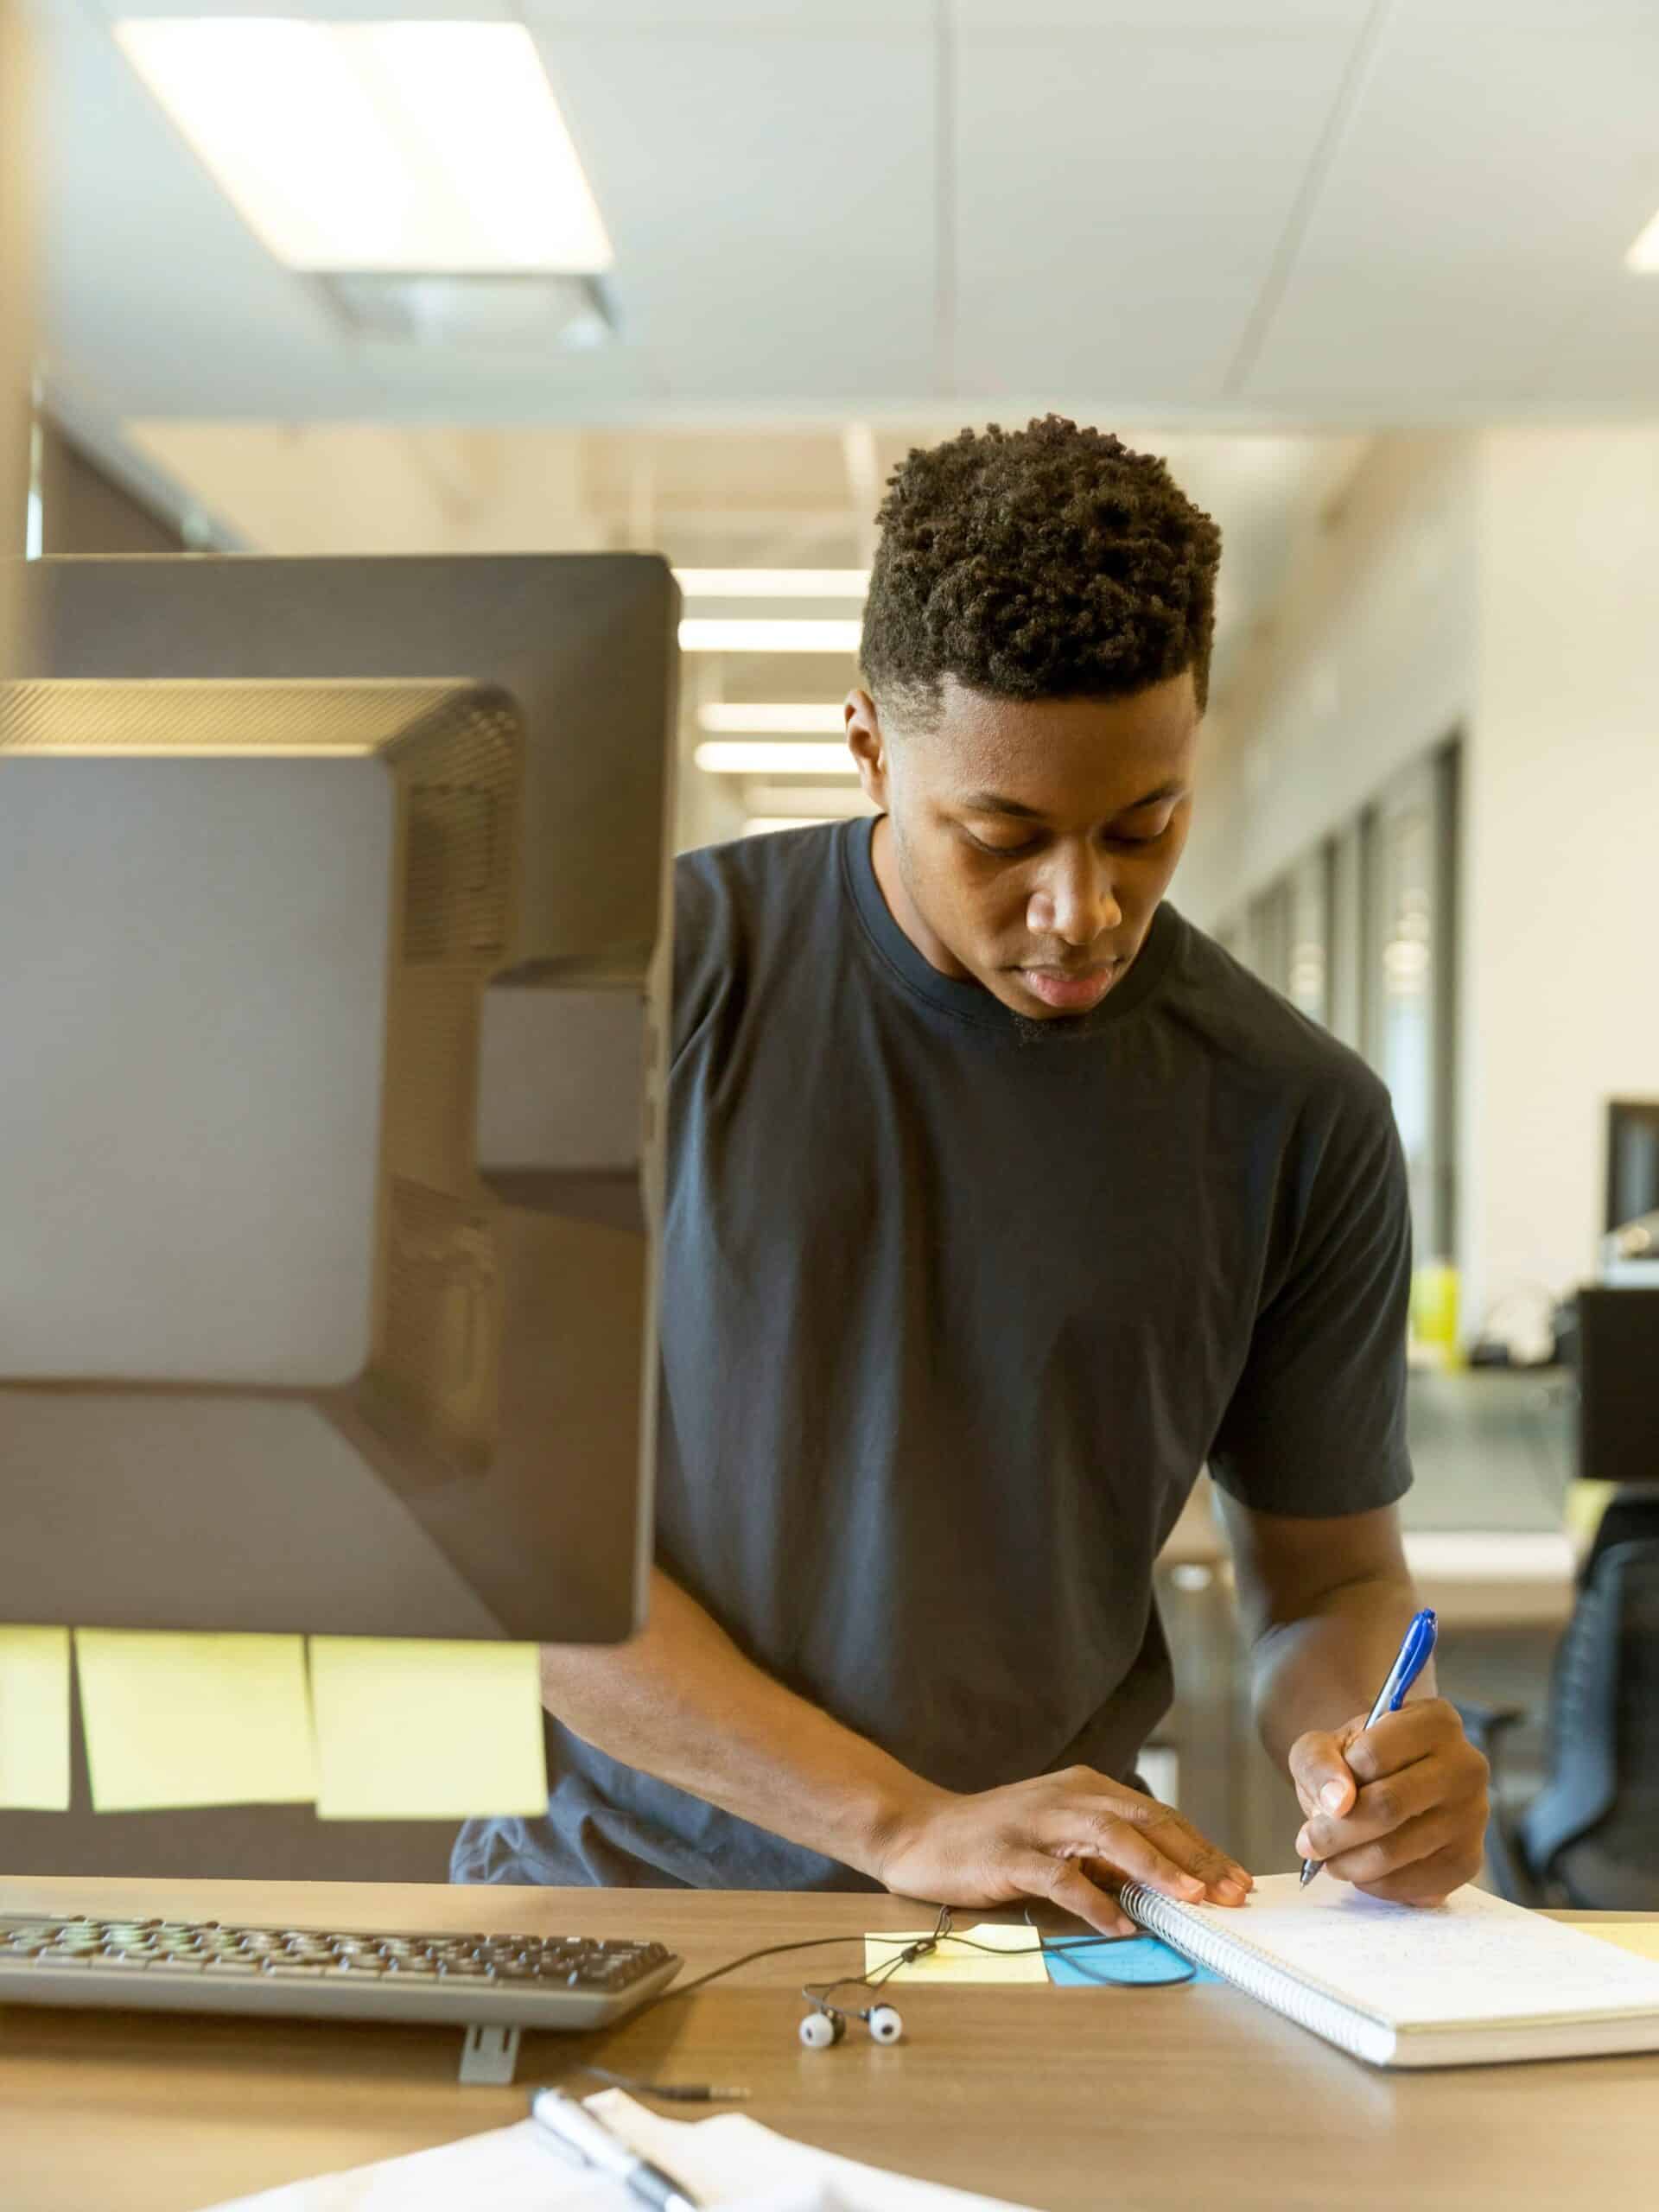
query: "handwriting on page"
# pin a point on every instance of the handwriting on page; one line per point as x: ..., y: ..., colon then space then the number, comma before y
x: 1472, y: 1959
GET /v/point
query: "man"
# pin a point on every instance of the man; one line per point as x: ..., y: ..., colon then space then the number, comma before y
x: 999, y: 1200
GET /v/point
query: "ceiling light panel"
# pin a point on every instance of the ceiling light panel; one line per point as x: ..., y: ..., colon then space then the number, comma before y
x: 777, y: 718
x: 433, y: 147
x: 774, y: 583
x: 762, y: 637
x: 737, y: 756
x: 1643, y: 256
x: 763, y: 826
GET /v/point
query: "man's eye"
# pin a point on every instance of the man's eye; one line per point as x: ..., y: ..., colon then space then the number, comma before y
x: 1002, y: 852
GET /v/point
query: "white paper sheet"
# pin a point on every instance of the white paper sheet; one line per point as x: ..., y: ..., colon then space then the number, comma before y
x: 730, y: 2163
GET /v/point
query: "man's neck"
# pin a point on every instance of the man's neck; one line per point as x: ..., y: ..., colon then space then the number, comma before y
x: 884, y: 862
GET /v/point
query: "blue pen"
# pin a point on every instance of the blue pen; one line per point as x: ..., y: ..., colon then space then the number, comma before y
x: 1416, y: 1649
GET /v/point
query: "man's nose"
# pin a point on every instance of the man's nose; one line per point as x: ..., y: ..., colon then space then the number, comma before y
x: 1076, y: 900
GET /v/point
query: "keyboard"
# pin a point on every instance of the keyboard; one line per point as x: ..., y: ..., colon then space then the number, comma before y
x: 489, y: 1983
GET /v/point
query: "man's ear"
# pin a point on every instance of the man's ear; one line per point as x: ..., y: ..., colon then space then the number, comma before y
x: 868, y: 744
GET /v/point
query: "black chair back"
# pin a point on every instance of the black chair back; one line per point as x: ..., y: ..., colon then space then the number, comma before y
x: 1591, y: 1834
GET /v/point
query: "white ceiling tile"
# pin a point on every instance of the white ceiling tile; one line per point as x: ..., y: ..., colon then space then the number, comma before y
x: 1164, y: 18
x: 715, y: 18
x: 1566, y: 18
x: 1120, y: 201
x: 771, y: 203
x: 1477, y: 211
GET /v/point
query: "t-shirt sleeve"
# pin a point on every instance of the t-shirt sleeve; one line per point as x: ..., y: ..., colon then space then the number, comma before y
x: 1317, y: 1424
x: 702, y: 946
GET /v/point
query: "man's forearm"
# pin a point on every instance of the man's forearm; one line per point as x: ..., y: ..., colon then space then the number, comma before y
x: 1320, y: 1670
x: 681, y: 1702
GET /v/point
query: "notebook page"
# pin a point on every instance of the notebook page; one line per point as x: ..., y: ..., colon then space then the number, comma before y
x: 1473, y: 1960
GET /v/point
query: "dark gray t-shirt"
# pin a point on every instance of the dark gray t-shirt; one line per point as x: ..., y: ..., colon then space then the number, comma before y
x: 951, y: 1320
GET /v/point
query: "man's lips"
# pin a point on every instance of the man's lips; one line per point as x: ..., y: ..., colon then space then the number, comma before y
x: 1071, y: 990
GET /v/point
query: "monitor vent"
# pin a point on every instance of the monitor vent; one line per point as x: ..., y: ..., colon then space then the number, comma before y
x: 439, y: 1310
x: 456, y: 874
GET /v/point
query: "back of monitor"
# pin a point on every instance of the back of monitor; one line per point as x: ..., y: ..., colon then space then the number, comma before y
x: 350, y: 1251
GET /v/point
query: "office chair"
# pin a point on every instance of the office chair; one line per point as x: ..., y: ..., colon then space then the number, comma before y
x: 1590, y: 1838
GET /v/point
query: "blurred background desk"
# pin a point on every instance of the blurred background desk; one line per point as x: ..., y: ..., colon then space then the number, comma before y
x: 1487, y: 1537
x: 1067, y: 2100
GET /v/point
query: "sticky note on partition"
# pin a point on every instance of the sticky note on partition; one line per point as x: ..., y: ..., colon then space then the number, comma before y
x: 174, y: 1720
x: 417, y: 1731
x: 35, y: 1719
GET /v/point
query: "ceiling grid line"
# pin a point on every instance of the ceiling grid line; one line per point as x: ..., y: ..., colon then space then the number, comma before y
x: 1276, y: 282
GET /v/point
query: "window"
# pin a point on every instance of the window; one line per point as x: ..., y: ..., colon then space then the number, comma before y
x: 1410, y: 1030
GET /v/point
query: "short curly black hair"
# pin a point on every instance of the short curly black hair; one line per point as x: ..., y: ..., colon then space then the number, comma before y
x: 1046, y: 562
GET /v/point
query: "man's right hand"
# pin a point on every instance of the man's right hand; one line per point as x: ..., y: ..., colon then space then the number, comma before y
x: 1073, y: 1838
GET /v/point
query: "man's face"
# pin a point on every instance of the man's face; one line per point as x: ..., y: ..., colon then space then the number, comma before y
x: 1029, y: 843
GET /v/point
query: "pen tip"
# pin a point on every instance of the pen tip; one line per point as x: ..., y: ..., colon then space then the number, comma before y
x: 1310, y: 1868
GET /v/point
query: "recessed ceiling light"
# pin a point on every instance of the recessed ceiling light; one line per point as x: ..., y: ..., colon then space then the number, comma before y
x: 1643, y: 256
x: 430, y: 147
x: 774, y: 583
x: 787, y: 718
x: 762, y: 637
x: 760, y: 757
x: 525, y: 313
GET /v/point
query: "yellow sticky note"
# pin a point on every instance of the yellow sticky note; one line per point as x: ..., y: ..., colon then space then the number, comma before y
x: 1641, y: 1937
x: 1585, y: 1503
x: 418, y: 1731
x: 986, y: 1953
x: 174, y: 1720
x: 35, y: 1719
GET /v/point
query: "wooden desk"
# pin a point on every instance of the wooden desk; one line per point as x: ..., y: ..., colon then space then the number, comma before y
x: 1069, y: 2100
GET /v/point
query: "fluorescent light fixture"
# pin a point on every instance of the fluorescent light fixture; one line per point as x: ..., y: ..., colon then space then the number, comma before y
x: 762, y: 637
x: 845, y: 802
x: 774, y: 583
x: 1643, y: 256
x: 785, y: 718
x: 430, y: 147
x: 760, y: 757
x: 759, y: 825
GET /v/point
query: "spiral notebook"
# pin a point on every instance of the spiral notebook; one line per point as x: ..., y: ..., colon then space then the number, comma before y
x: 1471, y: 1983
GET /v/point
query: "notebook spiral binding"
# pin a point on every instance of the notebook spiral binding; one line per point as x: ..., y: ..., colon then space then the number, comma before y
x: 1237, y: 1961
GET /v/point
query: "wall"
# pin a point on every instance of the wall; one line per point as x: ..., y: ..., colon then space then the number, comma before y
x: 1561, y: 867
x: 83, y: 510
x: 1505, y: 582
x: 1368, y: 661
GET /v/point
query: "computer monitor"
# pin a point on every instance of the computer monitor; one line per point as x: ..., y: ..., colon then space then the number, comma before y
x: 1632, y: 1159
x: 1618, y: 1357
x: 333, y: 895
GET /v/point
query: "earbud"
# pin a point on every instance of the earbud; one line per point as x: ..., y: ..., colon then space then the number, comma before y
x: 821, y: 2028
x: 825, y: 2025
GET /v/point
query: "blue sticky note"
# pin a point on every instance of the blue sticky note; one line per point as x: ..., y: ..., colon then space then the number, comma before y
x: 1140, y: 1959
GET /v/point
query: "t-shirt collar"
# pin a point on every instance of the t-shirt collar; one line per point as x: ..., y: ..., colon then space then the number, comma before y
x: 968, y: 999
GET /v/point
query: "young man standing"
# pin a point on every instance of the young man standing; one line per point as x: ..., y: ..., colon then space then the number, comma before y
x: 1001, y: 1200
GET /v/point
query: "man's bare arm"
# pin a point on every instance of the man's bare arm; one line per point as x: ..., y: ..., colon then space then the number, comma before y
x: 683, y: 1703
x: 1399, y: 1809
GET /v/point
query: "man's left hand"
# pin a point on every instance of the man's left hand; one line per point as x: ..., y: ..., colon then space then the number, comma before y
x: 1399, y: 1809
